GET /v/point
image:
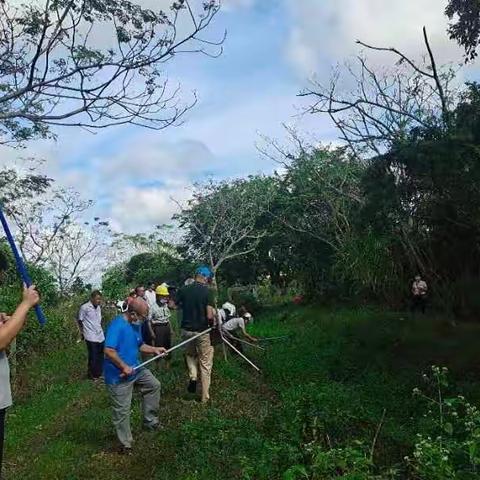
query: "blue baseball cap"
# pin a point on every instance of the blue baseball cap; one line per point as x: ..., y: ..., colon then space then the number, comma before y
x: 204, y: 271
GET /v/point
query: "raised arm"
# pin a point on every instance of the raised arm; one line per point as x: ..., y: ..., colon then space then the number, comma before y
x: 9, y: 330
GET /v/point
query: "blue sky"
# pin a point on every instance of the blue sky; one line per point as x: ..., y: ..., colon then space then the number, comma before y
x: 272, y: 48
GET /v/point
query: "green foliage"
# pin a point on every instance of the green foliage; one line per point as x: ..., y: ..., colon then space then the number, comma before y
x: 114, y: 285
x: 464, y: 25
x: 450, y: 448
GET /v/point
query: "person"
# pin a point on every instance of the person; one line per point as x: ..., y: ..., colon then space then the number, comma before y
x: 140, y: 292
x: 90, y: 326
x: 10, y: 326
x: 196, y: 305
x: 419, y: 294
x: 159, y: 326
x: 122, y: 346
x: 150, y: 296
x: 238, y: 324
x: 227, y: 312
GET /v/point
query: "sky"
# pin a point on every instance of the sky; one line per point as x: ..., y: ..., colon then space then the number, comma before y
x: 273, y: 48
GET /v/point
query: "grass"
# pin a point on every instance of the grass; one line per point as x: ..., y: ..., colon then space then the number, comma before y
x: 327, y: 385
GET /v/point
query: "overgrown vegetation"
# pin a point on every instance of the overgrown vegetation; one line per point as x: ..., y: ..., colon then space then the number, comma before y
x: 336, y: 400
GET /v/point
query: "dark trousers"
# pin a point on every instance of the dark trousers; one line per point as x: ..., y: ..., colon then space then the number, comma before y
x: 419, y: 302
x: 2, y: 436
x: 95, y: 359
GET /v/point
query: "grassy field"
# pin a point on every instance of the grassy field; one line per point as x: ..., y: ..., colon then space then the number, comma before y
x: 325, y: 389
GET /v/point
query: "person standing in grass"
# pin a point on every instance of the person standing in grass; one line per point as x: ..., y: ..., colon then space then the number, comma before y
x: 123, y: 344
x: 419, y: 294
x: 10, y: 326
x: 196, y: 304
x: 159, y: 328
x: 90, y: 326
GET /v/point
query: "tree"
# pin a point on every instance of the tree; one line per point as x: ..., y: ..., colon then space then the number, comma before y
x: 79, y: 252
x: 222, y: 220
x: 383, y: 107
x: 94, y: 63
x: 464, y: 26
x: 43, y: 223
x: 17, y: 190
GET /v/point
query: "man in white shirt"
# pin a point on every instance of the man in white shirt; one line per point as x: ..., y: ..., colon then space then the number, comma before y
x: 90, y: 326
x: 150, y: 295
x: 238, y: 324
x: 419, y: 293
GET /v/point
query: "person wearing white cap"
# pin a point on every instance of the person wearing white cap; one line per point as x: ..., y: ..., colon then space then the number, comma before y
x: 233, y: 325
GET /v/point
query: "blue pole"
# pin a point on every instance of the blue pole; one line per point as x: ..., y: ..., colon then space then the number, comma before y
x: 22, y: 269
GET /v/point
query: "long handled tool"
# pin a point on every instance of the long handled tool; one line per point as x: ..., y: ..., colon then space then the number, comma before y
x: 238, y: 352
x: 271, y: 339
x: 22, y: 269
x: 244, y: 341
x: 181, y: 344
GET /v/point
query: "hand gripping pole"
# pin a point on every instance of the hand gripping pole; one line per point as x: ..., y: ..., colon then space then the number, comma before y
x: 21, y: 267
x: 181, y: 344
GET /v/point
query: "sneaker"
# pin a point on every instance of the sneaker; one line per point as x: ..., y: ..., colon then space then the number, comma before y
x: 192, y: 386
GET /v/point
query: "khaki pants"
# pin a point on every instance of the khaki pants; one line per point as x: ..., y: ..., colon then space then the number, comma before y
x: 199, y: 355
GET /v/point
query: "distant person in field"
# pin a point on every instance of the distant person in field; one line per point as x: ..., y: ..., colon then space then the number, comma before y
x: 419, y: 294
x: 196, y: 303
x: 150, y: 295
x: 236, y: 326
x: 90, y: 326
x: 10, y: 326
x: 123, y: 344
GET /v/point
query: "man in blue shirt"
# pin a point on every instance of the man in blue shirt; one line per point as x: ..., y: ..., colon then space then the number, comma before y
x: 122, y: 346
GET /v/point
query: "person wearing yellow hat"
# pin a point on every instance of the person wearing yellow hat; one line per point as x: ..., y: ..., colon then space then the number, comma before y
x: 160, y: 328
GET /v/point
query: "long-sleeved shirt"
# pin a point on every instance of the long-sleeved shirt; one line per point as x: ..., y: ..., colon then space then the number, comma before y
x: 90, y: 318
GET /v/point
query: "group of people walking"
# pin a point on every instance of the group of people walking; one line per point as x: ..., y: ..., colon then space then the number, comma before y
x: 143, y: 327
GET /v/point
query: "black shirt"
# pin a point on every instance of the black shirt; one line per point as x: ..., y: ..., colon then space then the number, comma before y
x: 193, y: 300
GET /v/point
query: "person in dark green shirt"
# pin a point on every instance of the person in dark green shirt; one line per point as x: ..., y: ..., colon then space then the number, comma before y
x: 196, y: 303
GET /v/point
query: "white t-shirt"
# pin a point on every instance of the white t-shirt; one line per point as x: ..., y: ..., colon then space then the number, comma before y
x: 5, y: 391
x: 419, y: 288
x: 91, y: 320
x: 234, y: 324
x: 150, y: 297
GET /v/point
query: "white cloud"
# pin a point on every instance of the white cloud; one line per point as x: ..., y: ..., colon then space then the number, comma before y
x: 138, y: 208
x: 324, y: 32
x: 234, y: 4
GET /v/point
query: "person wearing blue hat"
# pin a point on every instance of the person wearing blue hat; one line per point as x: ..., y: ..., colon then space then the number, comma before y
x: 196, y: 304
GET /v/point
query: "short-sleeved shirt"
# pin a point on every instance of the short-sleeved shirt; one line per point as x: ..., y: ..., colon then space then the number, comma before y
x: 193, y: 300
x: 91, y: 320
x: 419, y: 288
x: 5, y: 390
x: 126, y: 340
x: 150, y: 297
x: 159, y: 314
x: 234, y: 324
